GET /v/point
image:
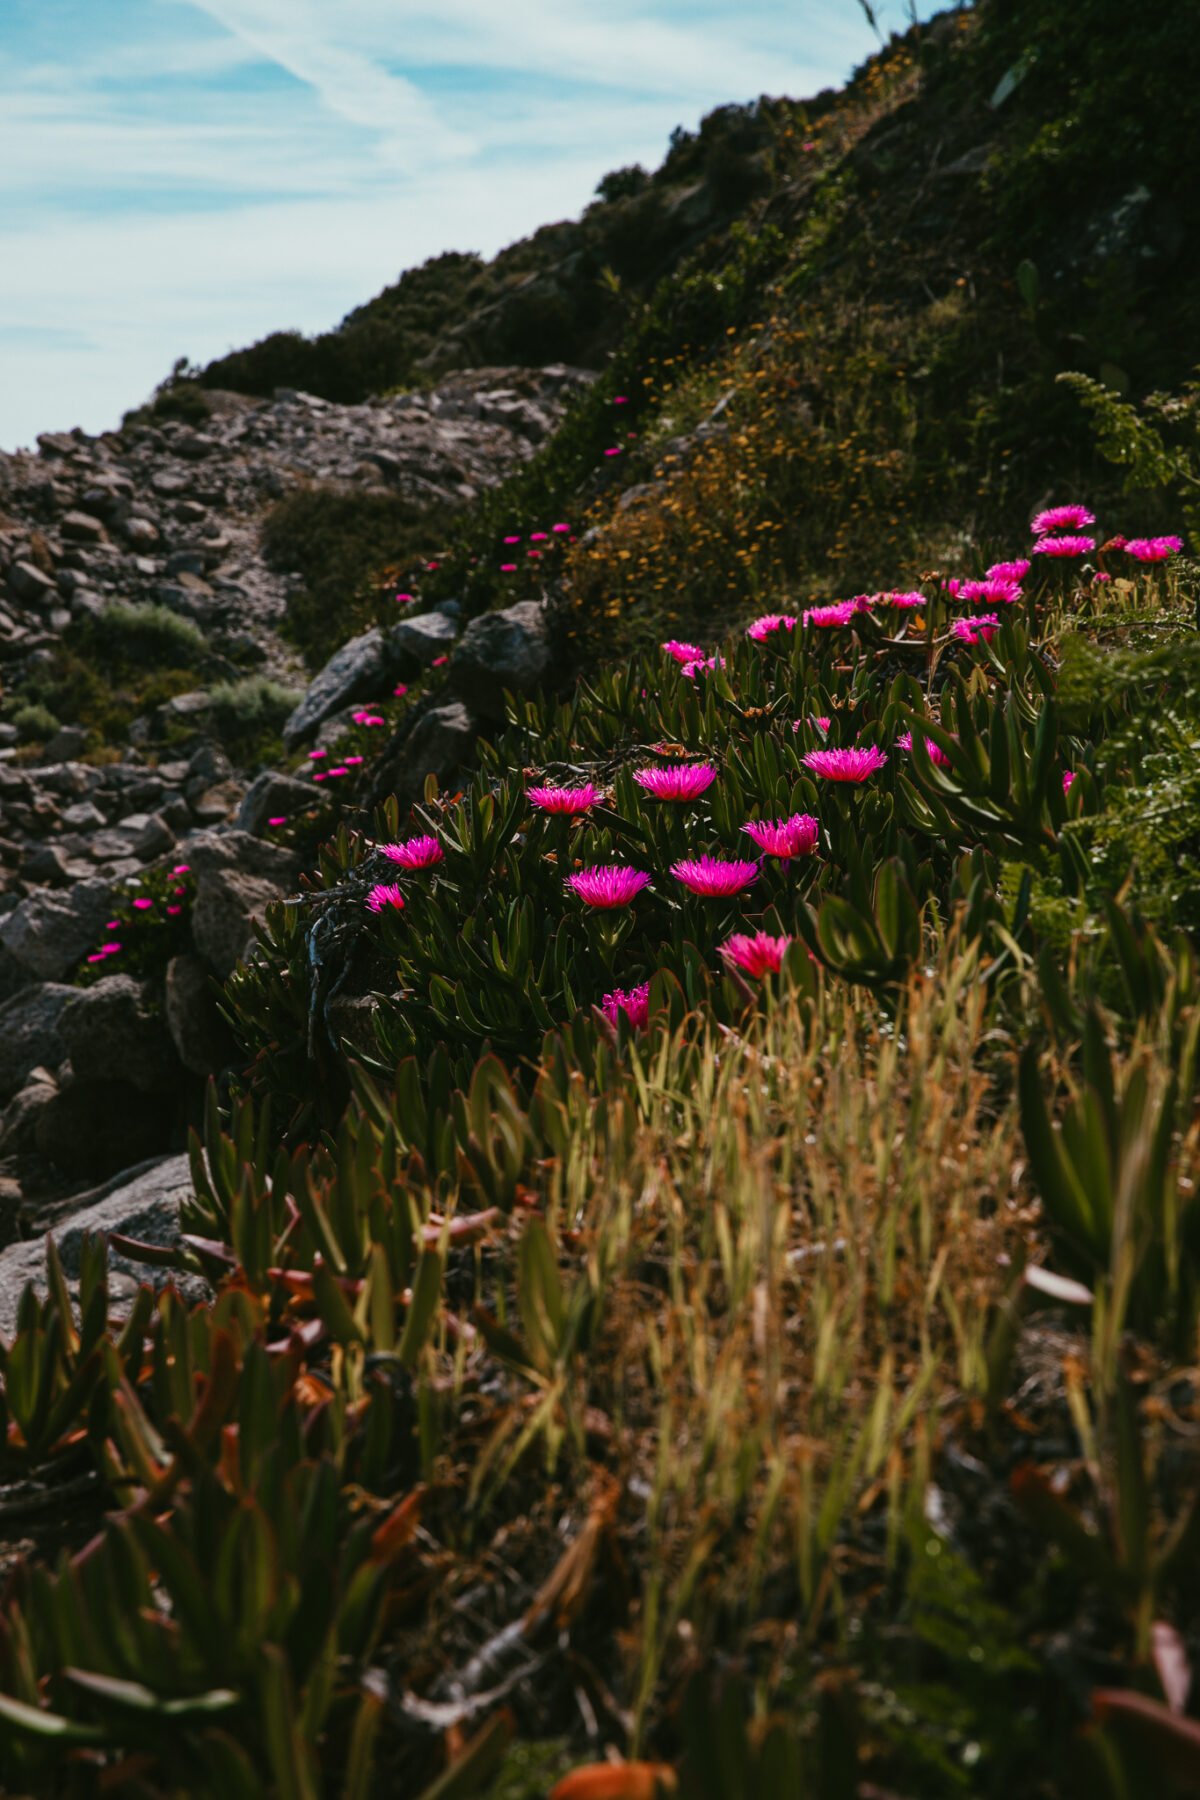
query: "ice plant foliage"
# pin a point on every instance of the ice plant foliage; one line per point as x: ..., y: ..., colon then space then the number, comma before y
x: 858, y: 763
x: 769, y: 623
x: 633, y: 1002
x: 715, y: 876
x: 414, y: 852
x: 678, y: 781
x: 1154, y: 549
x: 1061, y: 518
x: 383, y: 895
x: 563, y: 800
x: 755, y: 954
x: 785, y: 838
x: 616, y: 885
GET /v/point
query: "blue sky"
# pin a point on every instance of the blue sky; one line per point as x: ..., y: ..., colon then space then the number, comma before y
x: 179, y: 177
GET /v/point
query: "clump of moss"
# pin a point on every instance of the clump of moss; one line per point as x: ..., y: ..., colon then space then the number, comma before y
x: 248, y: 715
x: 34, y: 723
x: 145, y: 633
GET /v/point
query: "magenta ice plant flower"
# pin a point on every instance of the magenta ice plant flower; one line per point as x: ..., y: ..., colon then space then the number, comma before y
x: 142, y: 904
x: 755, y: 954
x: 414, y: 852
x: 678, y: 781
x: 993, y: 589
x: 856, y: 764
x: 563, y: 800
x: 980, y: 629
x: 683, y: 653
x: 768, y: 623
x: 383, y: 895
x: 1061, y: 518
x: 633, y: 1002
x: 936, y: 753
x: 839, y: 614
x: 715, y: 876
x: 1068, y: 778
x: 785, y: 838
x: 1064, y: 546
x: 1009, y: 571
x: 700, y: 664
x: 906, y: 602
x: 1154, y: 549
x: 608, y: 887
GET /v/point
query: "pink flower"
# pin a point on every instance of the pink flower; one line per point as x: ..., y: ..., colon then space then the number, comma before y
x: 755, y: 955
x: 855, y: 764
x: 769, y: 622
x: 909, y: 602
x: 414, y: 852
x: 316, y: 755
x: 1114, y: 543
x: 508, y: 568
x: 405, y: 599
x: 1010, y: 571
x: 1101, y: 577
x: 438, y: 661
x: 113, y: 925
x: 1155, y: 549
x: 280, y: 819
x: 352, y: 761
x: 936, y: 753
x: 563, y: 800
x: 399, y: 690
x: 981, y: 629
x: 431, y: 567
x: 173, y: 910
x: 994, y: 588
x: 1061, y: 518
x: 535, y: 554
x: 560, y: 528
x: 700, y: 664
x: 142, y: 904
x: 538, y: 537
x: 621, y: 400
x: 608, y: 887
x: 1068, y: 778
x: 335, y: 774
x: 384, y: 894
x: 785, y: 838
x: 615, y: 451
x: 683, y: 653
x: 367, y: 718
x: 678, y: 781
x: 715, y: 876
x: 182, y: 869
x: 109, y: 949
x: 841, y: 614
x: 1064, y: 546
x: 634, y: 1003
x: 318, y: 775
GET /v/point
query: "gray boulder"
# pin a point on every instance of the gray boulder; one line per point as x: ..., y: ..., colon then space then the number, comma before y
x: 359, y: 671
x: 508, y: 649
x: 272, y: 796
x: 228, y: 914
x: 416, y: 642
x: 110, y: 1029
x: 146, y: 1207
x: 48, y: 932
x: 30, y: 1032
x: 438, y: 745
x: 199, y: 1033
x: 19, y: 1120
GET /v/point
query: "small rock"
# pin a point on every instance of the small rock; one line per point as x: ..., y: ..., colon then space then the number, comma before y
x: 216, y: 803
x: 111, y: 1029
x: 141, y: 534
x: 358, y: 671
x: 85, y: 815
x: 82, y: 528
x: 19, y: 1123
x: 29, y: 584
x: 186, y: 708
x: 30, y: 1032
x: 201, y: 1037
x: 227, y: 915
x: 169, y: 483
x: 508, y: 649
x: 67, y: 743
x: 415, y: 642
x: 47, y: 867
x: 272, y: 795
x: 148, y: 834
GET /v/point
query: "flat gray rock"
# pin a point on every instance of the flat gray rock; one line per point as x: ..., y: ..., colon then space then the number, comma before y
x: 48, y: 933
x: 358, y: 671
x: 417, y: 641
x: 507, y: 649
x: 146, y: 1207
x: 30, y: 1032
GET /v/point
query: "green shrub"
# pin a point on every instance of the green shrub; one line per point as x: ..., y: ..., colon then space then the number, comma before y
x: 249, y: 710
x: 34, y: 723
x: 141, y: 632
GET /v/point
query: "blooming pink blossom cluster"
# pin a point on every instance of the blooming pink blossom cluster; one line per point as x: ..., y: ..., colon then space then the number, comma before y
x: 563, y: 800
x: 384, y: 895
x: 855, y: 764
x: 981, y: 629
x: 414, y: 852
x: 936, y: 753
x: 840, y: 613
x: 905, y: 602
x: 1010, y: 571
x: 701, y: 663
x: 1153, y: 549
x: 1061, y: 518
x: 683, y: 653
x: 992, y: 590
x: 757, y: 955
x: 785, y: 838
x: 715, y: 877
x: 608, y: 887
x: 770, y: 623
x: 1064, y: 546
x: 678, y: 781
x: 634, y: 1003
